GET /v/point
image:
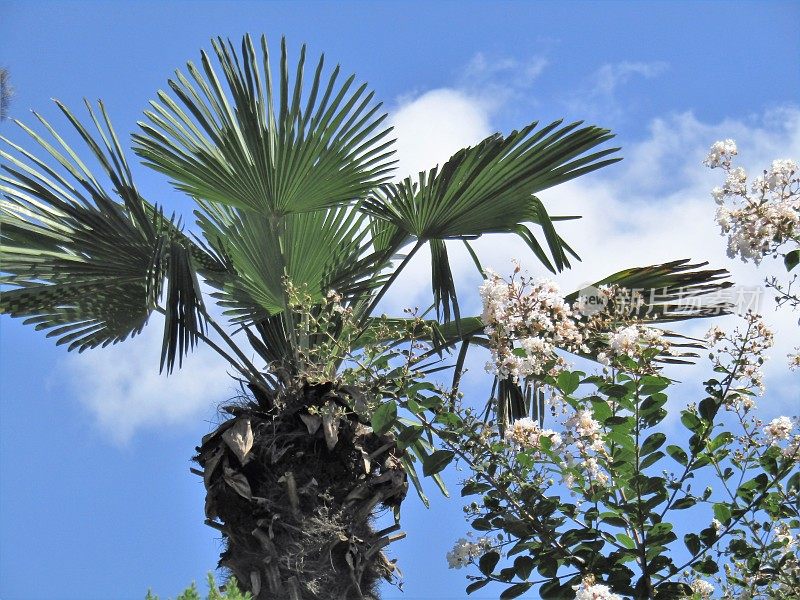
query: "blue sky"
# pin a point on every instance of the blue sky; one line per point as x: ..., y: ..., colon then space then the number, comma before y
x: 96, y: 500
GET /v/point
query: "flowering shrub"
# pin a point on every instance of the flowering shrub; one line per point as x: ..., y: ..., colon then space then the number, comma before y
x: 596, y: 504
x: 591, y: 506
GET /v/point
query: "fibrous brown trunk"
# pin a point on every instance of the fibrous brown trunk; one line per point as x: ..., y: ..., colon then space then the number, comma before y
x: 293, y: 490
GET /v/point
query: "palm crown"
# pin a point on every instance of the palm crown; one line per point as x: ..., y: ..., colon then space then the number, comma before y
x: 292, y: 182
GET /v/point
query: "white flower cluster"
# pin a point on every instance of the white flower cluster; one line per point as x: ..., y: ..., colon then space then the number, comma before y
x: 780, y: 430
x: 794, y: 359
x: 632, y: 341
x: 702, y: 588
x: 526, y: 321
x: 783, y: 535
x: 721, y: 154
x: 464, y: 551
x: 582, y: 434
x: 760, y: 219
x: 743, y: 351
x: 589, y: 590
x: 526, y: 434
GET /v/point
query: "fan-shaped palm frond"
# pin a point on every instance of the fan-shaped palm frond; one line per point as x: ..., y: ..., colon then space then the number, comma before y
x: 86, y: 264
x: 488, y: 188
x: 229, y: 143
x: 316, y: 251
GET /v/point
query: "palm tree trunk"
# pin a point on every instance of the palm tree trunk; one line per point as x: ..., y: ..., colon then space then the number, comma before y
x: 293, y: 490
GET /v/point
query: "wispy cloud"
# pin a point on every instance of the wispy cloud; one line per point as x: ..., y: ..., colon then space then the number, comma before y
x: 498, y: 80
x: 515, y: 72
x: 610, y: 76
x: 599, y: 95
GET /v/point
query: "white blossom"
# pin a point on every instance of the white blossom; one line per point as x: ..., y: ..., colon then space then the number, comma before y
x: 703, y: 588
x: 721, y: 153
x: 792, y: 449
x: 464, y: 551
x: 714, y: 334
x: 756, y: 221
x: 794, y: 359
x: 783, y: 535
x: 583, y: 423
x: 526, y: 322
x: 526, y: 433
x: 625, y: 341
x: 780, y: 173
x: 780, y: 428
x: 589, y: 590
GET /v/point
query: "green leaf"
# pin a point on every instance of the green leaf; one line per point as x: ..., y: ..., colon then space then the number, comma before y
x: 515, y: 590
x: 523, y: 565
x: 691, y: 422
x: 436, y: 462
x: 554, y: 590
x: 488, y: 562
x: 568, y: 381
x: 708, y: 409
x: 384, y: 417
x: 679, y: 454
x: 488, y: 187
x: 722, y: 512
x: 653, y: 443
x: 676, y: 288
x: 791, y: 259
x: 474, y: 487
x: 87, y: 264
x: 692, y: 542
x: 476, y: 585
x: 323, y: 145
x: 707, y: 566
x: 651, y: 459
x: 481, y: 524
x: 685, y: 502
x: 626, y: 540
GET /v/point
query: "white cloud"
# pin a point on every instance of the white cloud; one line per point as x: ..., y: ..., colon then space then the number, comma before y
x: 611, y: 75
x: 433, y: 126
x: 121, y: 387
x: 599, y: 97
x: 514, y: 71
x: 498, y: 81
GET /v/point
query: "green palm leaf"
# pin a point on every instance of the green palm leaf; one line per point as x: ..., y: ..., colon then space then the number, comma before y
x: 488, y: 188
x: 317, y: 251
x: 229, y: 143
x: 86, y: 264
x: 673, y: 291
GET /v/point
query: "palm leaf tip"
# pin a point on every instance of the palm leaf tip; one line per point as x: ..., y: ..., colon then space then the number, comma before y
x: 236, y: 140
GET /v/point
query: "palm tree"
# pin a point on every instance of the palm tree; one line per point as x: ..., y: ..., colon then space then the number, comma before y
x: 292, y: 183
